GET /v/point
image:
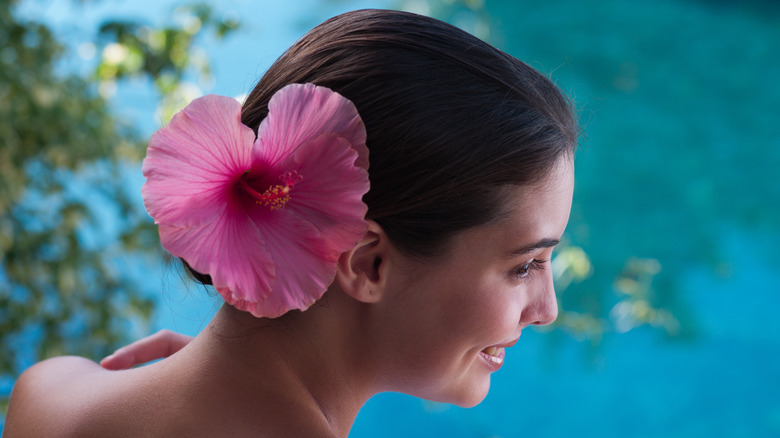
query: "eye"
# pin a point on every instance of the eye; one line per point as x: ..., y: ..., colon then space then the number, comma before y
x: 527, y: 269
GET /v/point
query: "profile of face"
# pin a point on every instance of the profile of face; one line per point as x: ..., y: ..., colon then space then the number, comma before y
x: 453, y: 318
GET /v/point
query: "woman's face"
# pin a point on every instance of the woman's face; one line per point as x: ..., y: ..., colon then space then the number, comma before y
x: 453, y: 318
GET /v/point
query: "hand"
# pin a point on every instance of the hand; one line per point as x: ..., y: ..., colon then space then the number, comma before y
x: 157, y: 346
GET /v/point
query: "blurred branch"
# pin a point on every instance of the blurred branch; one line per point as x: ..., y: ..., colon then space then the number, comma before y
x: 168, y: 55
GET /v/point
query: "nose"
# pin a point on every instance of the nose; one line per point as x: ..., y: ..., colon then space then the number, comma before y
x: 542, y: 308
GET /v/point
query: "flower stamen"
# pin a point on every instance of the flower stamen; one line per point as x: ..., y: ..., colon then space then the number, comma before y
x: 275, y: 196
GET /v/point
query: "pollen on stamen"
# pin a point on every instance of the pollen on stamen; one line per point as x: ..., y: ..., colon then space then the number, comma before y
x: 275, y: 196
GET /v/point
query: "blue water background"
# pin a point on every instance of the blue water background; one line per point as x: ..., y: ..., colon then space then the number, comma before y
x: 681, y: 108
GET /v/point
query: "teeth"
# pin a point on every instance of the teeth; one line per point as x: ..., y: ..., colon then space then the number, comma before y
x: 496, y: 360
x: 491, y: 351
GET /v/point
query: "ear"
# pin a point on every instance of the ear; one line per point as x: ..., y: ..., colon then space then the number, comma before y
x: 361, y: 271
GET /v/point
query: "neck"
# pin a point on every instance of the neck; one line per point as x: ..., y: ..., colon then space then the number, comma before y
x: 313, y: 360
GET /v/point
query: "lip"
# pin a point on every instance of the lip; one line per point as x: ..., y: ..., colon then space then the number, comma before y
x: 507, y: 344
x: 494, y: 361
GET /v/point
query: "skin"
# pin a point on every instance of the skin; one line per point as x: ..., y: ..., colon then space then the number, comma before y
x: 388, y: 322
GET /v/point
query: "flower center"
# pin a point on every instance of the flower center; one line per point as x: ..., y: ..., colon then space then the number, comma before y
x: 275, y: 196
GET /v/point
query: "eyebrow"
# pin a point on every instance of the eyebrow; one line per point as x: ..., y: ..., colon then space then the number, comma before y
x: 544, y: 243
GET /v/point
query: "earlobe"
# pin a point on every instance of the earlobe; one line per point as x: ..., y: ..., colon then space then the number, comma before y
x: 360, y: 271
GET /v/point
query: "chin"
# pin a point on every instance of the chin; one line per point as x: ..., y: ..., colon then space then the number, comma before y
x: 466, y: 395
x: 470, y: 403
x: 472, y: 400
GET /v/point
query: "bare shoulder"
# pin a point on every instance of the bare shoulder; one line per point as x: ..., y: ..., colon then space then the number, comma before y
x: 51, y: 398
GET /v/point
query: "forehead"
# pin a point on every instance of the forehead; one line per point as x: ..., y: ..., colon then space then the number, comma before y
x: 533, y: 212
x: 548, y: 198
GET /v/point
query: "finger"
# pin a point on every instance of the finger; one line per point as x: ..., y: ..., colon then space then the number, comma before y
x: 157, y: 346
x: 119, y: 360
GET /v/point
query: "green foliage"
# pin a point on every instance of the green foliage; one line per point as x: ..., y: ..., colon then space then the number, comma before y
x: 165, y: 54
x: 68, y: 226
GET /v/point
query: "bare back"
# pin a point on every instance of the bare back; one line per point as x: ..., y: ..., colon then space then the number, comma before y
x: 74, y: 397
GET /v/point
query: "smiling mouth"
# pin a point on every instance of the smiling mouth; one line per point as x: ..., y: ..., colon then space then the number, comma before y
x: 494, y: 355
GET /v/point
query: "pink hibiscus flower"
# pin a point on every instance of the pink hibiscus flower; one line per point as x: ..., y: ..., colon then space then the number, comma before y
x: 265, y: 217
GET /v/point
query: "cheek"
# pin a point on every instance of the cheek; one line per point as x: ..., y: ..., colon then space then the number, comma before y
x: 492, y: 313
x: 506, y: 317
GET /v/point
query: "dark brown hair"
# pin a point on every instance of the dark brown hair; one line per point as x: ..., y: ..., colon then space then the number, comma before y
x: 450, y: 119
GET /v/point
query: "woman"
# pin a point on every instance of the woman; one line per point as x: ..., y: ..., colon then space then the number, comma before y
x: 471, y: 180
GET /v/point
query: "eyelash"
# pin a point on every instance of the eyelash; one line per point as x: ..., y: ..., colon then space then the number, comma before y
x: 526, y: 270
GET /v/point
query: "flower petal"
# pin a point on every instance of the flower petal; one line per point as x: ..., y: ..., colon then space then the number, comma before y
x: 324, y: 218
x: 300, y: 112
x: 330, y: 193
x: 231, y: 250
x: 192, y: 164
x: 291, y: 241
